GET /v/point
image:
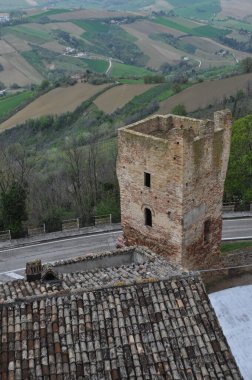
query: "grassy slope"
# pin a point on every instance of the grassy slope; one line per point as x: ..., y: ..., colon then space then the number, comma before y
x: 96, y: 65
x: 122, y: 70
x: 235, y: 24
x: 199, y: 31
x: 105, y: 4
x: 91, y: 27
x: 197, y: 9
x: 34, y: 60
x: 29, y: 34
x: 9, y: 103
x: 51, y: 12
x: 228, y: 247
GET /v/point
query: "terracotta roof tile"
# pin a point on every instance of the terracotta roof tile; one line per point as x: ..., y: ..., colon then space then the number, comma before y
x: 163, y: 328
x: 87, y: 334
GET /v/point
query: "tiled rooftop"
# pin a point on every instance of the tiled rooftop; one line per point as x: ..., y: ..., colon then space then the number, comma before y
x: 158, y: 330
x: 92, y: 272
x: 142, y: 320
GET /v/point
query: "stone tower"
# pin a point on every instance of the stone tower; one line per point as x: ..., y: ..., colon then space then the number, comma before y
x: 171, y: 173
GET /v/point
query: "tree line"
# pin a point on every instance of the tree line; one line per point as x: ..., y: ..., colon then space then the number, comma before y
x: 85, y: 185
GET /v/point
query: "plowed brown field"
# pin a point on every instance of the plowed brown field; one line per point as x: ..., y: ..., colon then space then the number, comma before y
x: 158, y: 51
x: 18, y: 44
x: 17, y: 70
x: 5, y: 48
x: 89, y: 14
x: 68, y: 27
x: 236, y: 8
x: 147, y: 27
x: 55, y: 102
x: 118, y: 96
x: 203, y: 94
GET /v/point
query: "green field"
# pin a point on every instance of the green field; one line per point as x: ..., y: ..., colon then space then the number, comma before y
x: 29, y: 34
x: 96, y: 65
x: 33, y: 58
x: 235, y: 24
x: 51, y: 12
x: 229, y: 247
x: 131, y: 81
x: 167, y: 92
x: 122, y: 70
x: 173, y: 24
x: 219, y: 72
x: 120, y: 5
x: 9, y: 103
x: 199, y: 31
x: 70, y: 64
x: 111, y: 41
x: 196, y: 9
x: 178, y: 43
x: 210, y: 32
x: 91, y: 27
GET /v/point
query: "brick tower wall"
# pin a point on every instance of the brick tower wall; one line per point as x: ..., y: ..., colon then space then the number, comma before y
x: 139, y: 153
x: 187, y: 161
x: 206, y: 153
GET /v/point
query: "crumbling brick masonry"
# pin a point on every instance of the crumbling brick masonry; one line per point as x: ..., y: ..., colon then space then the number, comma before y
x: 171, y: 172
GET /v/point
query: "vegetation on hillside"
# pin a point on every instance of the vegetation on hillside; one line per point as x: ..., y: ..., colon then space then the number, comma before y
x: 230, y: 247
x: 200, y: 31
x: 197, y: 9
x: 113, y: 41
x: 68, y: 161
x: 178, y: 43
x: 59, y: 167
x: 11, y: 103
x: 238, y: 186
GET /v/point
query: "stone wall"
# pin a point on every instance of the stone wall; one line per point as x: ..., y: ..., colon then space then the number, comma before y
x: 205, y: 163
x: 139, y: 153
x: 187, y: 161
x: 233, y: 269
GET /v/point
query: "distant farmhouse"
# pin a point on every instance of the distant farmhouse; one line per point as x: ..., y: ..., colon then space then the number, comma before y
x: 4, y: 17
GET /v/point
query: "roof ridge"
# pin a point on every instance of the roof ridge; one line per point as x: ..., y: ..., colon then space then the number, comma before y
x: 69, y: 292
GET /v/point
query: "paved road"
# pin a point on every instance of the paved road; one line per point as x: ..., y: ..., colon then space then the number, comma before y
x: 237, y: 228
x: 12, y: 261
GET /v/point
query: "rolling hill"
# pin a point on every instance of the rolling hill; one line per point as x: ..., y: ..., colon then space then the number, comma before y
x: 61, y: 42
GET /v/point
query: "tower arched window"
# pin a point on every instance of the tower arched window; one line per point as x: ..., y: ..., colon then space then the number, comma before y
x: 148, y: 217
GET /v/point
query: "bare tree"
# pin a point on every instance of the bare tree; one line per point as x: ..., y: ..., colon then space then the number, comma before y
x: 15, y: 165
x: 78, y: 179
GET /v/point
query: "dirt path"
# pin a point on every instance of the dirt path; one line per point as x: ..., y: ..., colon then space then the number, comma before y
x: 110, y: 67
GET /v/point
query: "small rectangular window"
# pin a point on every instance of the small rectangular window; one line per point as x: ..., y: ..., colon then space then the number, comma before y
x: 147, y: 179
x: 207, y: 230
